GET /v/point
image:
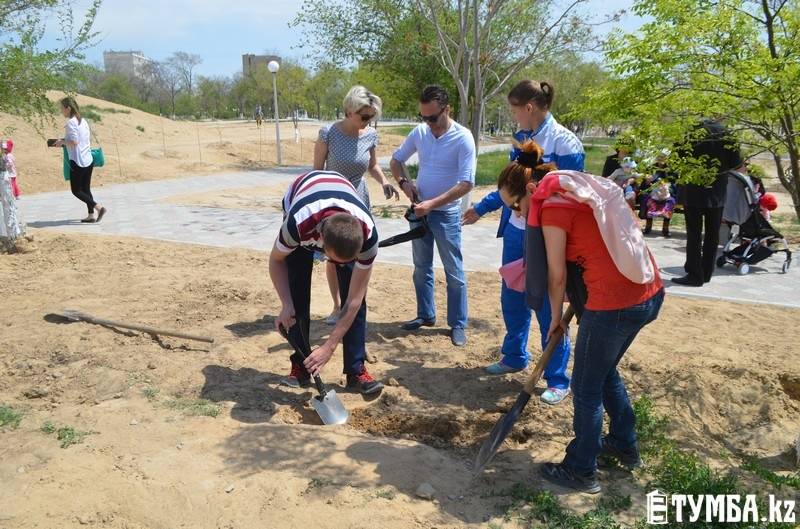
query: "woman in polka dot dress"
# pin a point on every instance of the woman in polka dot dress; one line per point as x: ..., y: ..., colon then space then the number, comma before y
x: 348, y: 147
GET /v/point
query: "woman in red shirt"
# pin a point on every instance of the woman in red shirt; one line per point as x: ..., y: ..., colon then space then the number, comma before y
x: 616, y: 309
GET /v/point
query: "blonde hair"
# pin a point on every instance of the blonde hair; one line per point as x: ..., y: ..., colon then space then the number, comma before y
x: 359, y: 97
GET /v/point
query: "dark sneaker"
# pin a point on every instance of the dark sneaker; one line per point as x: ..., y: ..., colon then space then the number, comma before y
x: 364, y: 383
x: 297, y: 377
x: 458, y: 336
x: 416, y: 323
x: 560, y: 475
x: 627, y: 459
x: 688, y: 281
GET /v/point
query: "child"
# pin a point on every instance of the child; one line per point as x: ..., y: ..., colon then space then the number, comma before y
x: 625, y: 178
x: 6, y: 146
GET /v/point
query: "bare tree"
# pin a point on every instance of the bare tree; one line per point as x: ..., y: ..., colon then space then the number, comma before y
x: 170, y: 79
x: 184, y: 64
x: 485, y: 43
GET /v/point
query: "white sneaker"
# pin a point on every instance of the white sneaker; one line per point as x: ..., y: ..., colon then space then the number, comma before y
x: 553, y: 396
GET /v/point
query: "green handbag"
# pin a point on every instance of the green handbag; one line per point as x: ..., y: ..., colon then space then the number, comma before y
x: 66, y: 164
x: 98, y: 158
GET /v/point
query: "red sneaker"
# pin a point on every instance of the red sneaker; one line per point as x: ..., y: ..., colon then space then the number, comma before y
x: 297, y: 377
x: 364, y: 383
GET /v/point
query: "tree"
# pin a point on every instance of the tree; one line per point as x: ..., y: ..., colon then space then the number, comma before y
x: 479, y: 44
x: 27, y: 71
x: 485, y: 43
x: 213, y: 95
x: 170, y: 79
x: 738, y: 60
x: 326, y: 89
x: 184, y: 64
x: 391, y: 42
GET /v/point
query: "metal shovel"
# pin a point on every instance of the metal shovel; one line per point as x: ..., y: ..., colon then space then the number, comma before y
x: 507, y: 421
x: 327, y: 404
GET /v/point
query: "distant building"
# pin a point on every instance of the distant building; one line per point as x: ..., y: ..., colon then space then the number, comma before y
x: 252, y: 63
x: 128, y: 63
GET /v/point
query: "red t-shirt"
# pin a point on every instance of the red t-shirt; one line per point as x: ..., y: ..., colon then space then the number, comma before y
x: 607, y: 288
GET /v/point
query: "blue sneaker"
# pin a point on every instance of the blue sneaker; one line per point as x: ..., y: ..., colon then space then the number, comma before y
x: 553, y: 396
x: 499, y: 368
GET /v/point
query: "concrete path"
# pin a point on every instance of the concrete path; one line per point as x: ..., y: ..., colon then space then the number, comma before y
x: 140, y: 210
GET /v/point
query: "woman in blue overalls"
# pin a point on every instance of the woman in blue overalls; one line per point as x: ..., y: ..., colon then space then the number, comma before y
x: 530, y: 103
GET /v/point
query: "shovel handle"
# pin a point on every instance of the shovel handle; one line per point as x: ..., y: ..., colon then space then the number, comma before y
x: 302, y: 350
x: 79, y: 316
x: 530, y: 384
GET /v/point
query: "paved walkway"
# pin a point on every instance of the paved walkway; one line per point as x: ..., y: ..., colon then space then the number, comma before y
x: 140, y: 210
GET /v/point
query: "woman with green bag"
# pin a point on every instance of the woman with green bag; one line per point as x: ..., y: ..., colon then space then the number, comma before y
x: 79, y: 151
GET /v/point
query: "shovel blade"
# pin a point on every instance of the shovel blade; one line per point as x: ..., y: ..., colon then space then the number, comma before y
x: 499, y: 433
x: 330, y: 409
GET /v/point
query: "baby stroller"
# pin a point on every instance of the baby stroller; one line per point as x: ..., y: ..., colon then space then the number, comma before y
x: 751, y: 238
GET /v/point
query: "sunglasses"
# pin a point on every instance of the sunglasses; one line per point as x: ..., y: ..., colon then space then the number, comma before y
x: 433, y: 118
x: 366, y: 118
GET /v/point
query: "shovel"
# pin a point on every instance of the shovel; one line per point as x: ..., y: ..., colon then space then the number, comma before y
x: 507, y: 421
x: 327, y: 404
x: 75, y: 315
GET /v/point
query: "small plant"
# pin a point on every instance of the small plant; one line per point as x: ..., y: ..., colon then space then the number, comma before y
x: 139, y: 128
x: 200, y: 407
x: 385, y: 212
x: 91, y: 114
x: 318, y: 483
x: 70, y: 436
x: 150, y: 393
x: 9, y: 417
x: 66, y: 434
x: 386, y: 494
x: 751, y: 464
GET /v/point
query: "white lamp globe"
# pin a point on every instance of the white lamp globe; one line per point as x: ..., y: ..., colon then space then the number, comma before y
x: 273, y: 66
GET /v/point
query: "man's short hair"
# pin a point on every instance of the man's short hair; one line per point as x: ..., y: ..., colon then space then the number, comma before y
x: 343, y: 234
x: 434, y: 93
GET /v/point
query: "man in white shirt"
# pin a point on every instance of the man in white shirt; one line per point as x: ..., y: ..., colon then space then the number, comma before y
x: 446, y: 152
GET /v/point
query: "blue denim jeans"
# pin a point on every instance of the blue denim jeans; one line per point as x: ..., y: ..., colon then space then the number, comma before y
x: 445, y: 231
x: 517, y: 317
x: 603, y: 337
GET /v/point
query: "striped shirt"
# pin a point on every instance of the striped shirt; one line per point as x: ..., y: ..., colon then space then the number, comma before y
x: 312, y: 198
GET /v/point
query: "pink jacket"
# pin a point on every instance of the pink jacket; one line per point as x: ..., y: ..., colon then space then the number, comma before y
x: 617, y: 223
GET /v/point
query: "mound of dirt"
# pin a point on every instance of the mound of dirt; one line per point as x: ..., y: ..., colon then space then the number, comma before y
x: 176, y: 423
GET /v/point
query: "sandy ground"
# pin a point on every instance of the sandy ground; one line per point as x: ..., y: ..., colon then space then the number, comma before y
x: 726, y: 374
x: 141, y: 146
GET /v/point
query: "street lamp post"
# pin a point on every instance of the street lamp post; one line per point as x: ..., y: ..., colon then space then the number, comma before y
x: 273, y: 67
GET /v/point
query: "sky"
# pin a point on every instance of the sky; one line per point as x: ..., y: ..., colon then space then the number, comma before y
x: 220, y: 31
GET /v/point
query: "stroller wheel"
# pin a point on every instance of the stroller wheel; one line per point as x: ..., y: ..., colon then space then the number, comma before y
x: 744, y: 268
x: 721, y: 261
x: 785, y: 267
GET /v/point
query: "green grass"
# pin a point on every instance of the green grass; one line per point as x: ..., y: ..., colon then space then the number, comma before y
x: 399, y: 130
x: 70, y: 436
x: 139, y: 128
x: 599, y: 140
x: 150, y: 393
x: 9, y: 417
x: 387, y: 494
x: 66, y: 434
x: 48, y: 427
x: 667, y: 468
x: 106, y: 110
x: 199, y: 407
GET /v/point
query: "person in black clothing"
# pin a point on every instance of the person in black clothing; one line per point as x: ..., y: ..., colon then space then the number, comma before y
x: 613, y: 161
x: 703, y: 205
